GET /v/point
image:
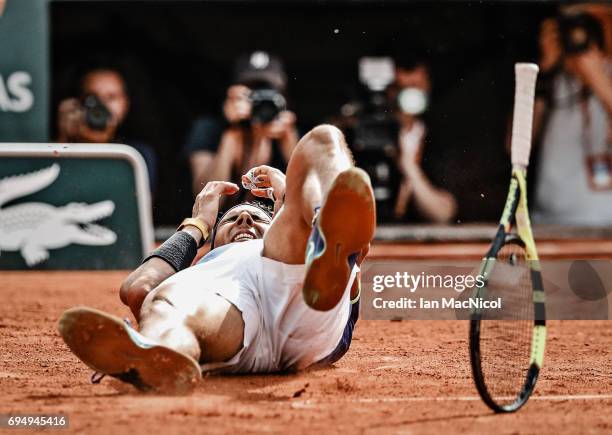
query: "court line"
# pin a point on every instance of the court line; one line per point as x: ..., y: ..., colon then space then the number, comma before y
x: 552, y: 398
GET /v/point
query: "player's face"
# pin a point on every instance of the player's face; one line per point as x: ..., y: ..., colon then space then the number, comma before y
x: 240, y: 224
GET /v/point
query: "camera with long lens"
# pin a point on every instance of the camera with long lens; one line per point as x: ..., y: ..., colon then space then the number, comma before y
x: 266, y: 105
x: 579, y: 31
x: 376, y: 129
x: 374, y: 136
x: 97, y: 116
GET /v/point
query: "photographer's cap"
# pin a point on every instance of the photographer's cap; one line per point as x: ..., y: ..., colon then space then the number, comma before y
x: 260, y: 67
x: 376, y: 72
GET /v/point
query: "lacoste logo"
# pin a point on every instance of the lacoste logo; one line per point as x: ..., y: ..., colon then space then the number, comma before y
x: 35, y: 228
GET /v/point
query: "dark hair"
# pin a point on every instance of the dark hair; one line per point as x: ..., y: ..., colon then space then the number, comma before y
x: 99, y: 69
x: 266, y: 208
x: 410, y: 61
x: 120, y: 65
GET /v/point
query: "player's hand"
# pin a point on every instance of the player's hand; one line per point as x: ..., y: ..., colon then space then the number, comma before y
x: 206, y: 206
x: 237, y: 105
x: 265, y: 178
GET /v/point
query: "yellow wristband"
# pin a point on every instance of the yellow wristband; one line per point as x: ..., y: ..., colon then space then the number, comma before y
x: 194, y: 222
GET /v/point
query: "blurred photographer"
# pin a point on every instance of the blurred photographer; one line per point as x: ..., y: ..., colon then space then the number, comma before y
x: 96, y: 116
x: 572, y: 119
x: 389, y: 136
x: 256, y: 129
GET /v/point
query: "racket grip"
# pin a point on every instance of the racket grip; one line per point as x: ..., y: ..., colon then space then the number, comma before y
x: 522, y: 120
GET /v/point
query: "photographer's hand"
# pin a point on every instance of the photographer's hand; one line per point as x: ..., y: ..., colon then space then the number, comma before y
x: 107, y: 135
x: 237, y: 105
x: 69, y: 118
x: 590, y: 67
x: 434, y: 203
x: 411, y: 144
x: 281, y: 127
x: 73, y: 127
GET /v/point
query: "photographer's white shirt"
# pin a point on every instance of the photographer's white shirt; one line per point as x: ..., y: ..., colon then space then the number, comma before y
x: 564, y: 192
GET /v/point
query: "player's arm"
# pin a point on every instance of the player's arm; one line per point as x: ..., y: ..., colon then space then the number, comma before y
x: 149, y: 275
x: 177, y: 252
x: 141, y: 281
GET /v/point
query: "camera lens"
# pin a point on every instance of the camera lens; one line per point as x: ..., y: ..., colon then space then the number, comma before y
x: 97, y: 116
x: 267, y: 104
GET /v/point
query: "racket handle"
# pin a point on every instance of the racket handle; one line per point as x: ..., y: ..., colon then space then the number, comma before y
x: 522, y: 121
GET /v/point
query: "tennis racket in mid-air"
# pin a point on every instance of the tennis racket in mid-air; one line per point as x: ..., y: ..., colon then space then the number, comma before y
x: 507, y: 343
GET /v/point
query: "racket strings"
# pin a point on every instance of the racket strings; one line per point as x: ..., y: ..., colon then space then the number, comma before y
x: 505, y: 334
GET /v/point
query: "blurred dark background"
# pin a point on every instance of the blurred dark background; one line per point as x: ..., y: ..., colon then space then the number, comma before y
x: 177, y: 57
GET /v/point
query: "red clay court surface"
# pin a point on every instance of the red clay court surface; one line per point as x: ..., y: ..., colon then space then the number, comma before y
x: 406, y: 377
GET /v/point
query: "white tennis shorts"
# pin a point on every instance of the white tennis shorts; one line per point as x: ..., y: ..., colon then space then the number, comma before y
x: 281, y: 332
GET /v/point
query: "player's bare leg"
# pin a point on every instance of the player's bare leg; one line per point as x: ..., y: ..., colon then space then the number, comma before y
x: 200, y: 324
x: 180, y: 327
x: 316, y: 160
x: 321, y: 174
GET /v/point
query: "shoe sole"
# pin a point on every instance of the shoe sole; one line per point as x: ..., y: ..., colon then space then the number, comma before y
x: 103, y: 343
x: 347, y: 222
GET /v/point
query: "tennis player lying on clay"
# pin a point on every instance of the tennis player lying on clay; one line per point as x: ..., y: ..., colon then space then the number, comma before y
x: 273, y: 294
